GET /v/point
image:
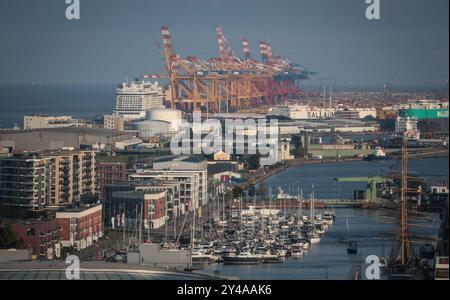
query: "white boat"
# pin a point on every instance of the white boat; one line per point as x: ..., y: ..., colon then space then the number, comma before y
x: 327, y: 221
x: 297, y: 254
x: 297, y: 250
x: 243, y: 258
x: 306, y: 246
x: 314, y: 239
x: 282, y: 252
x: 201, y: 256
x: 270, y: 258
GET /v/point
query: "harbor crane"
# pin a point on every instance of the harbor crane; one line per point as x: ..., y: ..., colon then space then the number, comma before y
x: 240, y: 83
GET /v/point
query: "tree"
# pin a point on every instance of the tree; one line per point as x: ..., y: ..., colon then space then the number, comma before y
x: 253, y: 162
x: 9, y: 239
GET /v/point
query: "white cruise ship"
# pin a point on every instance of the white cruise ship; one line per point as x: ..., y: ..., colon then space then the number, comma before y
x: 134, y: 98
x: 306, y: 112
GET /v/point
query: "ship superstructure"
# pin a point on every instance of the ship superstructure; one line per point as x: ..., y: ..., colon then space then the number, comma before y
x: 133, y: 99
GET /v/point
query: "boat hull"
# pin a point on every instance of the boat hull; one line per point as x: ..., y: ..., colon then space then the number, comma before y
x: 236, y: 260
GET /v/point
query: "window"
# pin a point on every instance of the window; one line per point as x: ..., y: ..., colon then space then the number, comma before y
x: 30, y: 232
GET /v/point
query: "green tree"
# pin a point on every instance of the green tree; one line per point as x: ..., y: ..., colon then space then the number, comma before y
x: 8, y: 239
x: 253, y: 162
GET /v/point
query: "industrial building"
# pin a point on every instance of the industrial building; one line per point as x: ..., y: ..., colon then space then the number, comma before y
x: 41, y: 121
x: 159, y: 122
x: 68, y: 137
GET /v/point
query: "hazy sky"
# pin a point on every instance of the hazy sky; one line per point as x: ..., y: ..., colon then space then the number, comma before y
x: 116, y: 39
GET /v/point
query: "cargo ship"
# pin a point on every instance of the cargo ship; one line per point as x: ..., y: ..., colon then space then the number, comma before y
x: 307, y: 112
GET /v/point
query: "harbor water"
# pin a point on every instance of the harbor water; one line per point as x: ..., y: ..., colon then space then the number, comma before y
x: 329, y: 259
x: 81, y: 101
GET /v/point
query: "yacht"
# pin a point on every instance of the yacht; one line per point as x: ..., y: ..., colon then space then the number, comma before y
x: 297, y: 250
x: 270, y: 258
x: 314, y: 239
x: 245, y: 258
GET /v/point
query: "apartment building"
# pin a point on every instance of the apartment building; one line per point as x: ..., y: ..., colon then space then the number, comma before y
x: 80, y: 227
x: 108, y: 173
x: 47, y: 178
x: 113, y: 121
x: 171, y: 188
x: 127, y: 209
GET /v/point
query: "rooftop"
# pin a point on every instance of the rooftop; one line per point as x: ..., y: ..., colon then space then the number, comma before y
x: 91, y: 270
x: 77, y: 130
x: 184, y: 158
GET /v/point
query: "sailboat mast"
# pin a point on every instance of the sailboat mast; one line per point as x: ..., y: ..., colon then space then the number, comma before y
x: 404, y: 203
x: 301, y: 202
x: 312, y: 203
x: 298, y: 203
x: 270, y: 199
x: 193, y: 226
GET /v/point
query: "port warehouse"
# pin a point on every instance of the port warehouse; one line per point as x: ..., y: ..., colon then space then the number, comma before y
x: 55, y: 138
x: 423, y: 113
x: 434, y: 119
x: 70, y: 137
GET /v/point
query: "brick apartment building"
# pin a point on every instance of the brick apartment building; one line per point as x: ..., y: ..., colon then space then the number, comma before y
x: 80, y: 227
x: 108, y: 173
x: 41, y: 236
x: 125, y: 207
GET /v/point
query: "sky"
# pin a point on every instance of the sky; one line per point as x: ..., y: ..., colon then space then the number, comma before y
x: 117, y: 39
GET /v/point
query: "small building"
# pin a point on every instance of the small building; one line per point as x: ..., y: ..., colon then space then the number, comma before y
x: 150, y: 254
x: 226, y: 176
x: 113, y: 121
x: 42, y: 237
x: 285, y: 150
x: 14, y: 255
x: 80, y: 227
x: 439, y: 189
